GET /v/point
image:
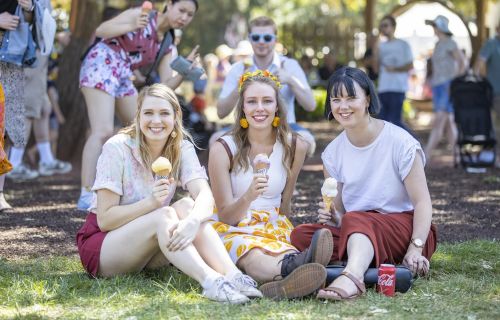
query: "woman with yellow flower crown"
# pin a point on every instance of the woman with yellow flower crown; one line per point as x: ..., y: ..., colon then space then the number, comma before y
x: 252, y: 200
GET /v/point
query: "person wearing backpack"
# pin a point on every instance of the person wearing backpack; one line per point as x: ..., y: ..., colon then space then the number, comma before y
x: 129, y: 41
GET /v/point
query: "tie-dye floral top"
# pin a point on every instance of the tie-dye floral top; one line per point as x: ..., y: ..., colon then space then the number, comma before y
x: 120, y: 170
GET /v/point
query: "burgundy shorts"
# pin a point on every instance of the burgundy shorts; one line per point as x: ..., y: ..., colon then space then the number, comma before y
x: 89, y: 241
x: 390, y: 235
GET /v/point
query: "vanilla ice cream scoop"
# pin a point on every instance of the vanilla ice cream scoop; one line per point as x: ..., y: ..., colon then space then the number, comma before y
x: 161, y: 167
x: 329, y: 187
x: 261, y: 163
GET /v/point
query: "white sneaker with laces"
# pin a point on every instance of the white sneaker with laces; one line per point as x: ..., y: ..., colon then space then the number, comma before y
x: 223, y: 291
x: 22, y: 172
x: 246, y: 285
x: 55, y: 167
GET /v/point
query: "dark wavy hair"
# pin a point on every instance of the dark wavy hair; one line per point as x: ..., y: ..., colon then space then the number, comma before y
x: 344, y: 78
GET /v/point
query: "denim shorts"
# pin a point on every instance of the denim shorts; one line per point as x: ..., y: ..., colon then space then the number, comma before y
x: 441, y: 98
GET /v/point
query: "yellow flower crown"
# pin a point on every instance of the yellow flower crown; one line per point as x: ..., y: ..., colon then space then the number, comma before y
x: 258, y: 73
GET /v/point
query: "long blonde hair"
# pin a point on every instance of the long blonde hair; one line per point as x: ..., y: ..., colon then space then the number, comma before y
x: 172, y: 148
x: 240, y: 134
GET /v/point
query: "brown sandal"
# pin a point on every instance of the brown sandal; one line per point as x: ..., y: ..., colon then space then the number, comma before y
x: 341, y: 293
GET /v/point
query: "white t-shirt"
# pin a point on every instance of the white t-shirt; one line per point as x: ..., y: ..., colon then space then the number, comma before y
x: 373, y: 175
x: 279, y: 62
x: 394, y: 53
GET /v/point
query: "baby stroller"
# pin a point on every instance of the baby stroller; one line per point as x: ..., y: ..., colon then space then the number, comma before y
x: 472, y: 99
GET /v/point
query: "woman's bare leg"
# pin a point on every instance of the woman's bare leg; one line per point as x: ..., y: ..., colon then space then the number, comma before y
x: 131, y: 247
x: 261, y: 266
x: 100, y: 109
x: 438, y: 126
x: 360, y: 254
x: 207, y: 241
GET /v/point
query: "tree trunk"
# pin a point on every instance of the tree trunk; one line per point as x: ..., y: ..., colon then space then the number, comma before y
x: 85, y: 16
x: 477, y: 42
x: 369, y: 15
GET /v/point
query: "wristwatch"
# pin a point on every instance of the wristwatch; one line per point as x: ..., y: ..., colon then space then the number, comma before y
x: 418, y: 243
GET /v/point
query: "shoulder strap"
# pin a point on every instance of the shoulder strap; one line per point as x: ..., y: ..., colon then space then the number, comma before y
x: 229, y: 153
x: 294, y: 147
x: 168, y: 39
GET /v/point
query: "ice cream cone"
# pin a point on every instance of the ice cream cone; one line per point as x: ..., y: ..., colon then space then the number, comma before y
x: 329, y: 192
x: 162, y: 168
x: 261, y: 163
x: 328, y: 202
x: 146, y: 8
x: 262, y: 168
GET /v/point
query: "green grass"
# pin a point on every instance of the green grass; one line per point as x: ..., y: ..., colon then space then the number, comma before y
x: 464, y: 284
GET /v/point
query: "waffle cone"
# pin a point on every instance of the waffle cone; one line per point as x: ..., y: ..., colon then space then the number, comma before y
x: 163, y: 173
x: 328, y: 202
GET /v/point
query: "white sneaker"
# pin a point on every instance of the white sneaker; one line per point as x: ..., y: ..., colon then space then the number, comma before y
x: 55, y: 167
x: 246, y: 285
x: 22, y: 172
x: 223, y: 291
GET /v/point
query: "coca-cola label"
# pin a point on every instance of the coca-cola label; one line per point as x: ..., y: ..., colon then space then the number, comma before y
x: 386, y: 280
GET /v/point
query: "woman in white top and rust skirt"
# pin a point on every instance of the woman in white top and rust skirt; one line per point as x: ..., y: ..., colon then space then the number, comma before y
x: 382, y: 212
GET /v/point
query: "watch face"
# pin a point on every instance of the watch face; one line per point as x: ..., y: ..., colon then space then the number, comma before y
x: 418, y: 242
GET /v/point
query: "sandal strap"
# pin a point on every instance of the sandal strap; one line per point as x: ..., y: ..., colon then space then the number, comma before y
x: 360, y: 285
x: 341, y: 292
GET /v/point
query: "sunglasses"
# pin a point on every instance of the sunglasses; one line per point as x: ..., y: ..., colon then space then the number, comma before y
x: 257, y: 37
x: 384, y: 25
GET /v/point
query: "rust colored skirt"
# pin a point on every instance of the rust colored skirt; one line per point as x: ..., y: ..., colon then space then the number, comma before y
x: 390, y: 235
x: 89, y: 242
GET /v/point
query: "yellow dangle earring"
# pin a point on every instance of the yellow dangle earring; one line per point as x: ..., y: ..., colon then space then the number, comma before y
x: 276, y: 121
x: 244, y: 123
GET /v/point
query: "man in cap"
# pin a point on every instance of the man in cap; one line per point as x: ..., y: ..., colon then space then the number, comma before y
x: 447, y: 63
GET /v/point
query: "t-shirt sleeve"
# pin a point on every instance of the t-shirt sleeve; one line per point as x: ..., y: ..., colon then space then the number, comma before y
x: 190, y: 165
x: 294, y: 68
x: 410, y: 149
x: 330, y: 163
x: 486, y: 51
x: 109, y: 171
x: 231, y: 80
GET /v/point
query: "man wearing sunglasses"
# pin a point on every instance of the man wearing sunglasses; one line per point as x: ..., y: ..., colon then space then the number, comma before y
x: 263, y: 38
x: 393, y: 60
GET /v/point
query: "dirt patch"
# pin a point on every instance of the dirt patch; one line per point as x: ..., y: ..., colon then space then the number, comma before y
x: 44, y: 219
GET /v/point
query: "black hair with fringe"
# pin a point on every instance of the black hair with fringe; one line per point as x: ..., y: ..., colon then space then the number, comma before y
x: 344, y: 78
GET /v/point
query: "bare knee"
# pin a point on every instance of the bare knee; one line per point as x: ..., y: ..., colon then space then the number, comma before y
x: 102, y: 134
x: 183, y: 207
x: 164, y: 216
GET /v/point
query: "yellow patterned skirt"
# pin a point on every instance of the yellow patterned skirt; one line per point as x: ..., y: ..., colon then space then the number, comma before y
x: 264, y: 229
